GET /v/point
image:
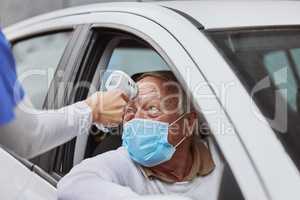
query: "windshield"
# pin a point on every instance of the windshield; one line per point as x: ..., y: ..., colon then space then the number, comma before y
x: 267, y: 61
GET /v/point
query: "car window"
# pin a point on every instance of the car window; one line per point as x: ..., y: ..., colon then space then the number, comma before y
x: 132, y: 56
x: 270, y: 56
x: 37, y: 59
x: 274, y: 62
x: 133, y: 60
x: 125, y: 58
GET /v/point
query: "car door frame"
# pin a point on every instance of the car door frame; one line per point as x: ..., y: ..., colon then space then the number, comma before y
x: 158, y: 36
x: 255, y: 133
x: 264, y: 160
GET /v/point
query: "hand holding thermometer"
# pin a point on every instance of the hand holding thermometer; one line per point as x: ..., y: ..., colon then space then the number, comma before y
x: 119, y: 80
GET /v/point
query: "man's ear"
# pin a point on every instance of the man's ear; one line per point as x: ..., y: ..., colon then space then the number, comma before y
x: 191, y: 123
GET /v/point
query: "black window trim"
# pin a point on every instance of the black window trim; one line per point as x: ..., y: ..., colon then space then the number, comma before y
x: 46, y: 160
x: 81, y: 70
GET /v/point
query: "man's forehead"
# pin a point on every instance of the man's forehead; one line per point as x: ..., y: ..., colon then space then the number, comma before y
x: 149, y: 89
x: 158, y: 86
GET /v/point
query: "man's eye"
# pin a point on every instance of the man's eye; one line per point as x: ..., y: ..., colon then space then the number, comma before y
x: 153, y: 110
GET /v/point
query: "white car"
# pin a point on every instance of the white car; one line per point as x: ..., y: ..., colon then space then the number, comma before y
x: 20, y: 179
x: 240, y: 61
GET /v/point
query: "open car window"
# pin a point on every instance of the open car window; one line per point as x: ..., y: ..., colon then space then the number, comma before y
x: 134, y: 56
x: 115, y: 50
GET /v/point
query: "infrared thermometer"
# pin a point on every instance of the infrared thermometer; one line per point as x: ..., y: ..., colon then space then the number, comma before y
x: 119, y: 80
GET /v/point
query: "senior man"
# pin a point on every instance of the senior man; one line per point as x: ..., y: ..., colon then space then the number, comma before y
x: 161, y: 152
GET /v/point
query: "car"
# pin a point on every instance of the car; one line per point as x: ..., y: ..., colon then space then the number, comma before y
x: 20, y: 179
x: 239, y: 61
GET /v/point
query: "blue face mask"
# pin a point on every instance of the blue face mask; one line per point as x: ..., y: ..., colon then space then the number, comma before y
x: 147, y: 141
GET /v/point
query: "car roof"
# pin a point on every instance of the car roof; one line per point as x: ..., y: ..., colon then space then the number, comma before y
x: 224, y: 14
x: 211, y: 14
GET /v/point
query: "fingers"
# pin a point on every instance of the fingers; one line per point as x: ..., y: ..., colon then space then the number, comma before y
x: 110, y: 108
x: 113, y: 119
x: 122, y: 99
x: 123, y: 95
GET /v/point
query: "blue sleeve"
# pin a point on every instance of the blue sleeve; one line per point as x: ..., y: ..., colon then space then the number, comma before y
x: 11, y: 92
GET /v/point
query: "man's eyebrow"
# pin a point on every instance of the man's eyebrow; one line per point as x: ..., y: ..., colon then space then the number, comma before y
x: 148, y: 97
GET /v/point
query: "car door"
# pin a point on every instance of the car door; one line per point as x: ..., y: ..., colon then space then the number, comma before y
x: 19, y: 179
x: 252, y: 131
x: 176, y: 58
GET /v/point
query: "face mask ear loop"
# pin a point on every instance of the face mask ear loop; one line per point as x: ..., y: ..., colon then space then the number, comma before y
x: 179, y: 118
x: 179, y: 143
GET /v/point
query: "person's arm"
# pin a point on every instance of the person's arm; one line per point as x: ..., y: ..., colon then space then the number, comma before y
x: 108, y: 176
x: 34, y: 132
x: 91, y: 186
x: 30, y: 132
x: 98, y: 178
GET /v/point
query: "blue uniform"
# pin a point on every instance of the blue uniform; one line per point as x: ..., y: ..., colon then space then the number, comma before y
x: 11, y: 91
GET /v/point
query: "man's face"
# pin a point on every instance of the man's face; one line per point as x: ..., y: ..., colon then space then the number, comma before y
x: 158, y: 100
